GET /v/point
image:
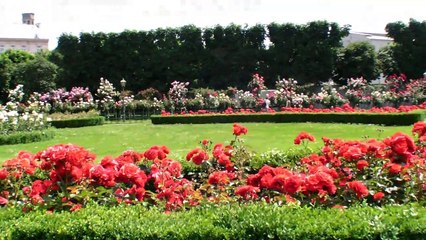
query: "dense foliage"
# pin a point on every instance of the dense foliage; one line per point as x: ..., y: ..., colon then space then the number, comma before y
x: 235, y: 221
x: 409, y: 51
x: 215, y: 57
x: 358, y: 59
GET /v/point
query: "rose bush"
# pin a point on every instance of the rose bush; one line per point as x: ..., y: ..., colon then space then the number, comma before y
x: 67, y: 177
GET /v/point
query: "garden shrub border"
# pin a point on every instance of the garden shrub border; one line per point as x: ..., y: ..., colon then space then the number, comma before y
x: 27, y: 137
x: 407, y: 118
x: 78, y: 122
x: 235, y: 221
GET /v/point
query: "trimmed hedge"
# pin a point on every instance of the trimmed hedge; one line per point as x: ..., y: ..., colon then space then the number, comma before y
x: 79, y: 122
x: 283, y: 117
x: 249, y: 221
x: 26, y: 137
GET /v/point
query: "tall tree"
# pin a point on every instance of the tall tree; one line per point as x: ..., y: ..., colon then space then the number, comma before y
x: 410, y: 46
x: 386, y: 63
x: 358, y: 59
x: 37, y: 75
x: 9, y: 60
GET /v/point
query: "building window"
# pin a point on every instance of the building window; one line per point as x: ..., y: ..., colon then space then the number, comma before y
x: 12, y: 46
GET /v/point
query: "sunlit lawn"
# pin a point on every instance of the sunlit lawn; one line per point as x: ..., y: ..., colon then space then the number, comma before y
x: 113, y: 138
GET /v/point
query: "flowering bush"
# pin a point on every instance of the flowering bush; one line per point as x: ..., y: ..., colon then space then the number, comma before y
x: 106, y: 94
x: 67, y: 177
x: 329, y: 96
x: 77, y: 100
x: 286, y: 94
x: 177, y: 94
x: 17, y: 116
x: 246, y: 99
x: 356, y: 90
x: 256, y: 84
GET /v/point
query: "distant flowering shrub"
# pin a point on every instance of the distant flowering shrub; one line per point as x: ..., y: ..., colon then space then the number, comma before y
x: 18, y: 116
x: 78, y: 99
x: 106, y: 94
x: 178, y: 94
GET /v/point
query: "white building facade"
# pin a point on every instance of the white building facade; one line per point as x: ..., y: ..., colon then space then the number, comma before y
x: 378, y: 40
x: 26, y: 36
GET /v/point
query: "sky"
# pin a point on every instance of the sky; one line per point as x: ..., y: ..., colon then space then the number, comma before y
x: 75, y: 16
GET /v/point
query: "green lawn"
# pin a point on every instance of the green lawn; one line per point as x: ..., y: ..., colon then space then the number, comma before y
x: 114, y: 138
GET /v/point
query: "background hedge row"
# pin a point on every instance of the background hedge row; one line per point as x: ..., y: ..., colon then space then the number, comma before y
x: 251, y: 221
x: 281, y: 117
x: 75, y: 123
x: 26, y: 137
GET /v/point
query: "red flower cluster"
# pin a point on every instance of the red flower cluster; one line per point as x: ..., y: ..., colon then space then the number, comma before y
x: 155, y: 152
x: 247, y: 192
x: 419, y: 128
x: 221, y: 178
x: 359, y: 188
x: 198, y: 156
x: 24, y: 163
x: 170, y: 185
x: 238, y: 129
x: 223, y: 156
x: 66, y: 163
x: 303, y: 136
x: 342, y: 172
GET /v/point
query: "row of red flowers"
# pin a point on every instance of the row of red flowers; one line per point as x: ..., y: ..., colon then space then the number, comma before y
x: 66, y: 176
x: 344, y: 108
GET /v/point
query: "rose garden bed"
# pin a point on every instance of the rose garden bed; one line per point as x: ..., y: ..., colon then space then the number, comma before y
x: 344, y: 175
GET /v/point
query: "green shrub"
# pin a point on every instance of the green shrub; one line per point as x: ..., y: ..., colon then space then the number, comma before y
x: 26, y: 137
x: 67, y: 115
x: 282, y: 117
x: 245, y: 221
x: 75, y: 123
x: 276, y: 158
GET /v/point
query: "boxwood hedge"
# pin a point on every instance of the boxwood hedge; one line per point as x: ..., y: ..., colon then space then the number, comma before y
x: 248, y: 221
x: 282, y: 117
x: 79, y: 122
x: 26, y: 137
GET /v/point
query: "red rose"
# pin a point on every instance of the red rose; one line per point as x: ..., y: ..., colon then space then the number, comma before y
x: 395, y: 168
x: 419, y: 128
x: 361, y: 164
x: 198, y: 156
x: 293, y: 184
x: 238, y: 129
x: 378, y: 196
x: 247, y: 192
x: 3, y: 201
x: 221, y: 178
x: 3, y: 174
x: 401, y: 144
x: 359, y: 188
x: 321, y: 181
x: 303, y: 136
x: 129, y: 171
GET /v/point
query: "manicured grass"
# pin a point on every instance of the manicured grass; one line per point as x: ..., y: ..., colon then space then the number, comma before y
x: 114, y: 138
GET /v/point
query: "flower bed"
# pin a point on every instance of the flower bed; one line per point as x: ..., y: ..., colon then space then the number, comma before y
x: 373, y: 172
x: 23, y: 122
